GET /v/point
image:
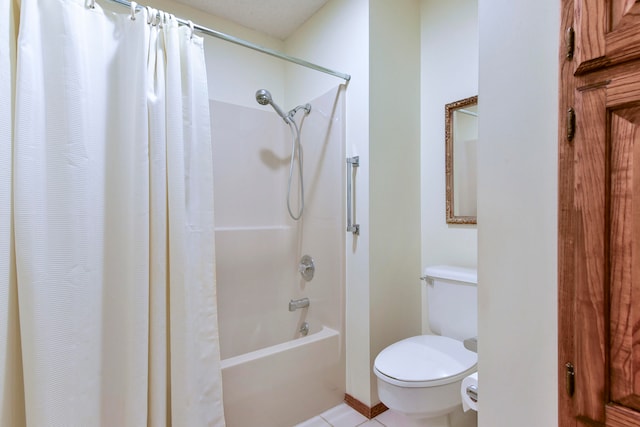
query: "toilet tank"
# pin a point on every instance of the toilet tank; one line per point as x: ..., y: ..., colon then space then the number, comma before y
x: 452, y: 301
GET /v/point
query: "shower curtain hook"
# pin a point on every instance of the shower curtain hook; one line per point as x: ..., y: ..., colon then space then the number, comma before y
x: 153, y: 16
x: 192, y: 28
x: 133, y: 10
x: 162, y: 19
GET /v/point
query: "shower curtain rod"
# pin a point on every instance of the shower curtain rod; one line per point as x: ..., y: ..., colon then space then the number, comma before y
x: 245, y: 43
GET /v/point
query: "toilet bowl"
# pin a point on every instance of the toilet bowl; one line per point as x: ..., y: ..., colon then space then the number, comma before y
x: 420, y: 377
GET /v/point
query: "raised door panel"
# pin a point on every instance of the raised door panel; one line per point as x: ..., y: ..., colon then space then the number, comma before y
x: 605, y: 33
x: 619, y: 416
x: 589, y: 230
x: 624, y: 286
x: 590, y: 27
x: 606, y: 241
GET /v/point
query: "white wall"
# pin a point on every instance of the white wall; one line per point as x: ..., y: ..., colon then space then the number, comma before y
x: 377, y: 42
x: 394, y: 177
x: 517, y: 211
x: 446, y: 27
x: 449, y: 69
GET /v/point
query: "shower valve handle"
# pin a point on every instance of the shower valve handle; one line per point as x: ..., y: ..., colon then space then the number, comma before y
x: 306, y: 267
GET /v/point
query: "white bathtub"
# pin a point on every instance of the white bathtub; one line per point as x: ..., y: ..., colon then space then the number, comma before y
x: 285, y: 384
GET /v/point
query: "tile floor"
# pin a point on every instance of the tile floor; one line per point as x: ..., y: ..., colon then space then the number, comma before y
x: 345, y: 416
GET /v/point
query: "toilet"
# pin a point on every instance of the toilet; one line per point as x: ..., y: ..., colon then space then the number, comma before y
x: 420, y: 377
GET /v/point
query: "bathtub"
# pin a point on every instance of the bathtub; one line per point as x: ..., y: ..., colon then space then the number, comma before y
x: 285, y: 384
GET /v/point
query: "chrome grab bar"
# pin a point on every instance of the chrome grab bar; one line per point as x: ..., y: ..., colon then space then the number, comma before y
x: 352, y: 162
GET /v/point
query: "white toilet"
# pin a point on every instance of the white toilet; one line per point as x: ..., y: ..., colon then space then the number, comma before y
x: 420, y: 377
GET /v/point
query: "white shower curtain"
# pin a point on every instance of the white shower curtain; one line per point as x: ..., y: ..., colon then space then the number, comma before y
x: 113, y: 217
x: 11, y: 383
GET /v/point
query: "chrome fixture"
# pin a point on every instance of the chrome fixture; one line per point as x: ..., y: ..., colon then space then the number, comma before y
x: 305, y: 107
x: 304, y: 329
x: 352, y: 162
x: 306, y: 267
x: 472, y: 392
x: 295, y: 304
x: 263, y: 97
x: 471, y: 344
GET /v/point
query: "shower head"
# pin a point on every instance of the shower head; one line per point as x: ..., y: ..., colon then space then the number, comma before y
x: 264, y: 98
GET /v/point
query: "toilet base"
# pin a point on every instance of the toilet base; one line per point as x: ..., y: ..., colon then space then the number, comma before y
x: 442, y: 421
x: 457, y: 418
x: 420, y: 402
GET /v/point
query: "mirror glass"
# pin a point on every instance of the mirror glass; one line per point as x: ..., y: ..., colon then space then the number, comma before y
x: 461, y: 138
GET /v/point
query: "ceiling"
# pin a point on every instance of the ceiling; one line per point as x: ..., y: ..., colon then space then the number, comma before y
x: 277, y: 18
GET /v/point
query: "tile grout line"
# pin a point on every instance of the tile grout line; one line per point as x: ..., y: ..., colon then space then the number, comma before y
x: 374, y: 420
x: 325, y: 420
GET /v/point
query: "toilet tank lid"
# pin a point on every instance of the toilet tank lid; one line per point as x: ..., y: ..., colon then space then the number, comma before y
x: 450, y: 272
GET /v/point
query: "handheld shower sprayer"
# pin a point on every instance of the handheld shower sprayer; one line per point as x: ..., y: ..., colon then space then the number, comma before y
x: 264, y: 98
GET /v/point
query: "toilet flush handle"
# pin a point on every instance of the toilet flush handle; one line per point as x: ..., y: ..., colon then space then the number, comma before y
x: 471, y: 344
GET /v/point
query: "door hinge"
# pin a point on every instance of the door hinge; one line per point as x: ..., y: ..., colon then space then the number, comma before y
x: 570, y: 377
x: 571, y: 124
x: 570, y: 42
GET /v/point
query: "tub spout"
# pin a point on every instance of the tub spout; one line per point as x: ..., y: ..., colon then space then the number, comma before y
x: 295, y: 304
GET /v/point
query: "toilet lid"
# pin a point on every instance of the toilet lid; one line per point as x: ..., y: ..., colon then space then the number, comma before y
x: 426, y: 358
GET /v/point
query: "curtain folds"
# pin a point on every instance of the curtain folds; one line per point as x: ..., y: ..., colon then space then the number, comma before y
x: 12, y: 412
x: 113, y: 220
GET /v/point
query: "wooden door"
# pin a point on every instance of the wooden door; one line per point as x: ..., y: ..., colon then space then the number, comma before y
x: 599, y: 214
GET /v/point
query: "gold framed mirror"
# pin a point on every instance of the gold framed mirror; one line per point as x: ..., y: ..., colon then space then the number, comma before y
x: 461, y: 137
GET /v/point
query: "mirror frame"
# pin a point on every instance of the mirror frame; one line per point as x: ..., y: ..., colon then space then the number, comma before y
x: 449, y: 161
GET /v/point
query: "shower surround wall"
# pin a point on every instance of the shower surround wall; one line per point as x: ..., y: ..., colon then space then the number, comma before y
x: 268, y: 369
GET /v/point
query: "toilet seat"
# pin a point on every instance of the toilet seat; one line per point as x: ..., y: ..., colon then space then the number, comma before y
x: 425, y: 361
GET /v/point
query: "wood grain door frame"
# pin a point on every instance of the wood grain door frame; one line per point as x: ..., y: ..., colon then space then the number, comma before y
x: 566, y: 291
